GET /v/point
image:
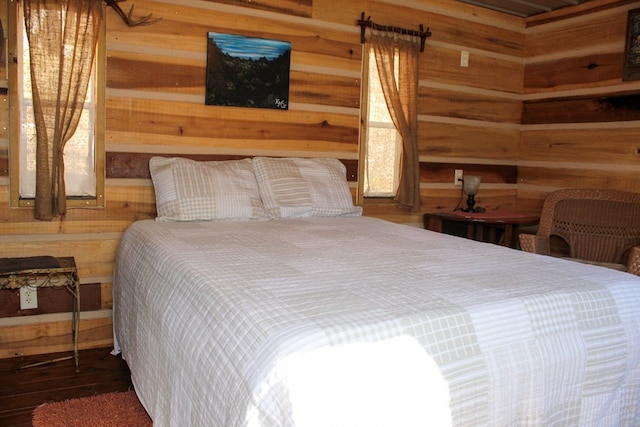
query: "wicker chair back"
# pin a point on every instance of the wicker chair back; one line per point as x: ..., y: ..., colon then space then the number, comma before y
x: 600, y: 226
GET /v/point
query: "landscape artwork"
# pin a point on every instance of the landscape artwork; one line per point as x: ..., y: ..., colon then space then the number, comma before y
x: 631, y: 70
x: 247, y: 71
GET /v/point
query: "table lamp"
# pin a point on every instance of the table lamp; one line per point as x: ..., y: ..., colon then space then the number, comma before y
x: 471, y: 185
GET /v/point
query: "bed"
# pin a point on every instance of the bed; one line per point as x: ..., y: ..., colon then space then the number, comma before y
x: 275, y: 316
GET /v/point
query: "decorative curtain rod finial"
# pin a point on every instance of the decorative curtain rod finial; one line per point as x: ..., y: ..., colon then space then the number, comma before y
x: 128, y: 17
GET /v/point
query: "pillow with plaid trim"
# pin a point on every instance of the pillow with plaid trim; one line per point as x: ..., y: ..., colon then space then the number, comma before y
x: 299, y: 188
x: 189, y: 190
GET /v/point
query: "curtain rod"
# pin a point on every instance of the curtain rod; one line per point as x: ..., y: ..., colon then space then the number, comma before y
x: 364, y: 23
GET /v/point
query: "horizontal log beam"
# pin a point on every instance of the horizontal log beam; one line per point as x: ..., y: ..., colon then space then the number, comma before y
x: 444, y: 172
x: 576, y: 72
x: 51, y: 300
x: 613, y: 108
x: 136, y: 165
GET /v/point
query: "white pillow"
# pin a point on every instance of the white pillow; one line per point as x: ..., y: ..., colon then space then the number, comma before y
x: 298, y: 188
x: 188, y: 190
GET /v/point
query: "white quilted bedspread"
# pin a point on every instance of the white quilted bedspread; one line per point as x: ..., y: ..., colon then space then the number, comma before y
x: 360, y: 322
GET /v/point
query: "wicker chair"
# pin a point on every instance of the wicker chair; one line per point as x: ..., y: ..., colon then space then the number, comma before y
x: 594, y: 226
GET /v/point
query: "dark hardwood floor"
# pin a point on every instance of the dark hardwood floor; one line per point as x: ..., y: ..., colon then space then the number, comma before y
x: 21, y: 390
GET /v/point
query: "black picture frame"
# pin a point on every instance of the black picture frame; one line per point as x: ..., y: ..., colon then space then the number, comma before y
x: 245, y: 71
x: 631, y: 69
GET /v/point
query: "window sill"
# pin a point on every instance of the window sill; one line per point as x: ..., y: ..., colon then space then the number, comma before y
x: 379, y: 201
x: 72, y: 202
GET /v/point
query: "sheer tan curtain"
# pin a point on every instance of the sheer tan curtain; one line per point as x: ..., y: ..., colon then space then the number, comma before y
x: 62, y: 38
x: 401, y: 95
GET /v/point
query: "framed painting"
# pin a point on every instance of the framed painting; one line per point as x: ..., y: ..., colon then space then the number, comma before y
x: 247, y: 71
x: 631, y: 69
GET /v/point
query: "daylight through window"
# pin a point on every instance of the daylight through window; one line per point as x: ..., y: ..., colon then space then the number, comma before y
x: 79, y: 155
x: 83, y: 153
x: 382, y: 160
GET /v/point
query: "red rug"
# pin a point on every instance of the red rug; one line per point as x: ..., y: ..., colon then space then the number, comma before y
x: 103, y: 410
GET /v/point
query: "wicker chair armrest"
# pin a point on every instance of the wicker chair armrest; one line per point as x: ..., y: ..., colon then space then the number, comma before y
x: 534, y: 244
x: 633, y: 266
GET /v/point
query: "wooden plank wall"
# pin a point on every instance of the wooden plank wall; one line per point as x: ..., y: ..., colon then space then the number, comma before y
x: 581, y: 122
x: 470, y: 119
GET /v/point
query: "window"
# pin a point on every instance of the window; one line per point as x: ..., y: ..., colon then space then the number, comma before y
x: 83, y: 153
x: 383, y: 142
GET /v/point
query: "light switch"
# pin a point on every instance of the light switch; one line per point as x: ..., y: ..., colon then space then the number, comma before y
x: 464, y: 58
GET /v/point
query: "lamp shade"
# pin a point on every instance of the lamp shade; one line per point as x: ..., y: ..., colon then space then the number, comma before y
x: 471, y: 184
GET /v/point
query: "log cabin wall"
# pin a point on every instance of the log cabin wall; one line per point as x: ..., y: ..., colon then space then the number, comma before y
x: 581, y: 121
x: 470, y: 119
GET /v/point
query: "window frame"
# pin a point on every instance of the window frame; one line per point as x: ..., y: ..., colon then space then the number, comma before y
x: 15, y: 199
x: 365, y: 125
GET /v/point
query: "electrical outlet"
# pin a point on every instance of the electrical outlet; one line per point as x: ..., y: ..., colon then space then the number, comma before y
x: 457, y: 177
x: 28, y: 298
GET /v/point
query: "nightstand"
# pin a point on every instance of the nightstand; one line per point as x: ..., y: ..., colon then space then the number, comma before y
x: 45, y: 271
x: 483, y: 226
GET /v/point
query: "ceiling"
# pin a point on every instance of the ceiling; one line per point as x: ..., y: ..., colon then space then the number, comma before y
x: 524, y: 8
